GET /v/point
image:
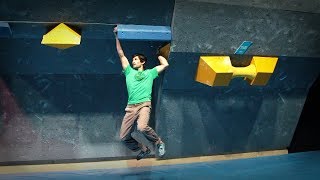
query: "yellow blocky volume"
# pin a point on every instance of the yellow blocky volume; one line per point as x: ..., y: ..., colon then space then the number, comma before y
x: 218, y: 70
x: 264, y: 68
x: 61, y: 37
x: 214, y: 70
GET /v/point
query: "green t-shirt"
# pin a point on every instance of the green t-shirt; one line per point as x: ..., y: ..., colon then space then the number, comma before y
x: 139, y: 84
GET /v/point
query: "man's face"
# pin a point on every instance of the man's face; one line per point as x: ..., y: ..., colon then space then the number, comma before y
x: 136, y: 63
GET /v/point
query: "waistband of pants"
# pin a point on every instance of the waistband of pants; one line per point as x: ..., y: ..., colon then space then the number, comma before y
x: 138, y: 104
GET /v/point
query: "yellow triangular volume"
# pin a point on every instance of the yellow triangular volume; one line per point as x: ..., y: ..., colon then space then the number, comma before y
x: 61, y: 37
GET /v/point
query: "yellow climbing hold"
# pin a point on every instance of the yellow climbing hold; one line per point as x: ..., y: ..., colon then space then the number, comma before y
x: 61, y: 37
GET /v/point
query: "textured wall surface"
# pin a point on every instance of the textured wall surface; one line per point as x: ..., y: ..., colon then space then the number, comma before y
x: 220, y: 29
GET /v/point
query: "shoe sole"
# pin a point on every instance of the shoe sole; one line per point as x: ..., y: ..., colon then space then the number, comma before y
x: 148, y: 152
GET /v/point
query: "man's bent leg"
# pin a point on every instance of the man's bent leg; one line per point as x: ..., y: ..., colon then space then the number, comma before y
x: 131, y: 143
x: 127, y: 128
x: 147, y: 131
x: 142, y: 126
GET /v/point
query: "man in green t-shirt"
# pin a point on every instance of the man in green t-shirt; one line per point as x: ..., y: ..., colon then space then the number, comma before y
x: 139, y: 86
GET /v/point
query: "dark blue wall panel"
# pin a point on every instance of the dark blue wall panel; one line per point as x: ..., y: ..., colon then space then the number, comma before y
x: 92, y: 56
x: 62, y: 117
x: 92, y: 11
x: 221, y: 121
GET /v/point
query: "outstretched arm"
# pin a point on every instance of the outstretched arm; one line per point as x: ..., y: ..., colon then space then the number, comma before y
x: 163, y: 64
x: 123, y: 58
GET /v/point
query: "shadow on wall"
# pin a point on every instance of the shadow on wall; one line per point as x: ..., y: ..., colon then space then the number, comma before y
x: 307, y: 131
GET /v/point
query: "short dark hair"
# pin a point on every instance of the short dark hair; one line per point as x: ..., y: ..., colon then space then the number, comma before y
x: 142, y: 57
